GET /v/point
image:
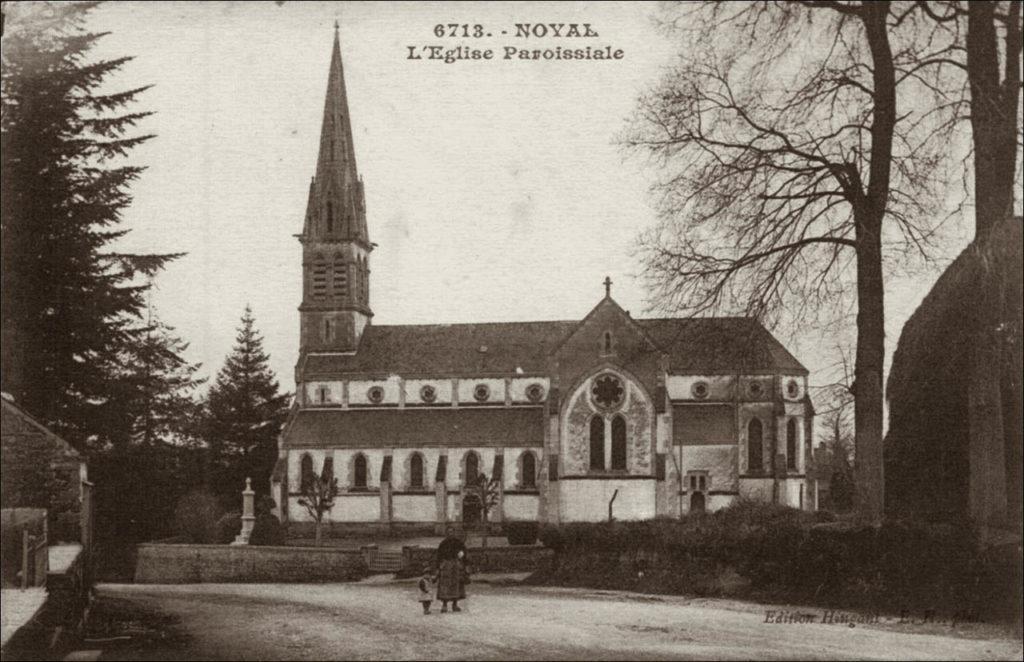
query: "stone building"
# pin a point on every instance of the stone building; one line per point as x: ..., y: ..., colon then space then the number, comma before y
x: 579, y: 420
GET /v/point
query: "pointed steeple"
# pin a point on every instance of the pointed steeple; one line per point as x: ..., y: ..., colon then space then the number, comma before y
x: 337, y: 209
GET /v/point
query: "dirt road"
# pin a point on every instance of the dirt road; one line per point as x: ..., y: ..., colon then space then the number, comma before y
x: 382, y: 621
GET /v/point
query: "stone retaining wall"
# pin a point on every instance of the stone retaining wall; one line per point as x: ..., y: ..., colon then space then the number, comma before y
x: 197, y: 564
x: 506, y: 558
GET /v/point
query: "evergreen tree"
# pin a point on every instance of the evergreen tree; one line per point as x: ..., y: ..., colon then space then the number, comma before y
x: 244, y: 413
x: 71, y: 304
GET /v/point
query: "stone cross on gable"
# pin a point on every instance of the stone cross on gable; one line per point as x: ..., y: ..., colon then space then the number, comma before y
x: 607, y: 286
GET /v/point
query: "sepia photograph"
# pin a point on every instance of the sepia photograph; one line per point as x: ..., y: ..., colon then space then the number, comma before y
x: 535, y: 330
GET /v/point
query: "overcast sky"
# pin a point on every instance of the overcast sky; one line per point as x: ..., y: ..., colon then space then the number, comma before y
x: 495, y: 189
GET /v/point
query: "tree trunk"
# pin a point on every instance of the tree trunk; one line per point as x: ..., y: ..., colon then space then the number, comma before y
x: 994, y: 108
x: 319, y: 533
x: 869, y: 212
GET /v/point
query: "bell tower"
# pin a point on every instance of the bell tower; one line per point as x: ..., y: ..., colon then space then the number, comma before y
x: 335, y: 245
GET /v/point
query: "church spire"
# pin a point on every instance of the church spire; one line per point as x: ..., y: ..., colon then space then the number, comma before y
x: 337, y: 208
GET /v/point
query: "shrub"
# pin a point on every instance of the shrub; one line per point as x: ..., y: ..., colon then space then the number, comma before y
x: 520, y: 533
x: 196, y: 515
x: 228, y: 528
x: 267, y: 531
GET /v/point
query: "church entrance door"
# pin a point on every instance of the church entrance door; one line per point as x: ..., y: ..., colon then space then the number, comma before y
x: 471, y: 510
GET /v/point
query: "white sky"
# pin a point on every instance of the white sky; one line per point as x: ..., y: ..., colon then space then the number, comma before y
x: 495, y: 190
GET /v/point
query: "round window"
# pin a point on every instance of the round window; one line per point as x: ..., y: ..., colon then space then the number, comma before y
x: 375, y: 394
x: 756, y: 388
x: 792, y: 388
x: 608, y: 391
x: 699, y: 390
x: 482, y: 392
x: 535, y: 392
x: 428, y: 393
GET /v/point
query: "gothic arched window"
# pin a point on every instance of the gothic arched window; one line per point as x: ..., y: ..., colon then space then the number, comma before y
x: 597, y: 444
x: 328, y: 330
x: 416, y: 471
x: 305, y: 472
x: 791, y: 444
x: 471, y: 468
x: 528, y: 470
x: 330, y: 216
x: 339, y: 278
x: 607, y: 342
x: 755, y: 434
x: 618, y: 444
x: 319, y: 283
x: 360, y: 470
x: 328, y: 471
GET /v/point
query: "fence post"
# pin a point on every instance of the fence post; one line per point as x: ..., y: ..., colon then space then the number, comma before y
x: 24, y: 558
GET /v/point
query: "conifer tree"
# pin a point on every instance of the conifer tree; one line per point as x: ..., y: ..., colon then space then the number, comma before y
x: 244, y: 413
x: 71, y: 304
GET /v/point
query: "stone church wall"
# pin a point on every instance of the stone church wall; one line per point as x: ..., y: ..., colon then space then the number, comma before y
x: 587, y: 500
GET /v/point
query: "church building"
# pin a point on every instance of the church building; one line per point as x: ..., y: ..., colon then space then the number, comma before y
x: 577, y: 420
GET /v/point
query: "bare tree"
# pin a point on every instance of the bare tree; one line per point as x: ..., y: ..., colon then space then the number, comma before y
x: 789, y: 166
x: 318, y: 494
x: 487, y: 490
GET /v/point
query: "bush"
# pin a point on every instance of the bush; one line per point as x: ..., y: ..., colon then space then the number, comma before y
x: 521, y: 533
x: 768, y: 552
x: 228, y: 528
x: 195, y: 517
x: 267, y: 531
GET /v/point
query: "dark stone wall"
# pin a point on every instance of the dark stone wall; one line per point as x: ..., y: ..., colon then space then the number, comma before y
x: 196, y: 564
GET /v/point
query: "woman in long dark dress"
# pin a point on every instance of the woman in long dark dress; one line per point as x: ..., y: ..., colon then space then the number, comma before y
x: 451, y: 585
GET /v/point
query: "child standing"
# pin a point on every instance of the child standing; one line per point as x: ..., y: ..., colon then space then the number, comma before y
x: 425, y: 588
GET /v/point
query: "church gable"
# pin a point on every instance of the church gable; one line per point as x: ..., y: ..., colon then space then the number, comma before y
x: 608, y: 335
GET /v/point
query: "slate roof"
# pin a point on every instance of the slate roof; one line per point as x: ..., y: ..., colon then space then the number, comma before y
x: 699, y: 345
x: 416, y: 428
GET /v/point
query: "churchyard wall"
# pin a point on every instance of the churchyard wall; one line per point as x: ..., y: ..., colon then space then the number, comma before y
x: 505, y: 558
x: 197, y: 564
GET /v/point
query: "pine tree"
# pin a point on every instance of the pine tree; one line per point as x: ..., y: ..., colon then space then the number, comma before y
x: 71, y: 304
x: 244, y: 413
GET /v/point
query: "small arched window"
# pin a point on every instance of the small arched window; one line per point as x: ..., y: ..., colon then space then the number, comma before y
x: 328, y: 330
x: 339, y: 278
x: 330, y: 216
x: 755, y: 457
x: 607, y: 342
x: 618, y: 444
x: 597, y: 444
x: 360, y: 471
x: 529, y: 470
x: 328, y: 473
x: 472, y: 468
x: 319, y: 283
x: 321, y: 395
x: 306, y: 473
x: 416, y: 471
x: 791, y: 444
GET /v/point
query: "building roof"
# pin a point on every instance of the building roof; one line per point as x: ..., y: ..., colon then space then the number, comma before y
x: 416, y: 428
x: 15, y: 422
x: 699, y: 345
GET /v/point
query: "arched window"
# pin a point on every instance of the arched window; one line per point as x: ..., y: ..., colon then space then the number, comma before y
x: 607, y: 342
x: 597, y: 444
x: 416, y: 471
x: 330, y: 216
x: 319, y: 283
x: 755, y: 461
x: 528, y: 470
x: 339, y: 278
x: 791, y: 444
x: 328, y: 473
x: 321, y: 395
x: 306, y: 472
x: 360, y: 472
x: 472, y: 468
x: 618, y: 444
x: 328, y: 330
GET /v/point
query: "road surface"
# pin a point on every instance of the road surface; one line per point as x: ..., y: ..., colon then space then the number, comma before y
x: 382, y: 621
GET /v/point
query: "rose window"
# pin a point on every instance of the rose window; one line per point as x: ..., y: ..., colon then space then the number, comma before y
x: 535, y: 392
x: 375, y: 394
x: 482, y: 392
x: 608, y: 391
x: 428, y: 394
